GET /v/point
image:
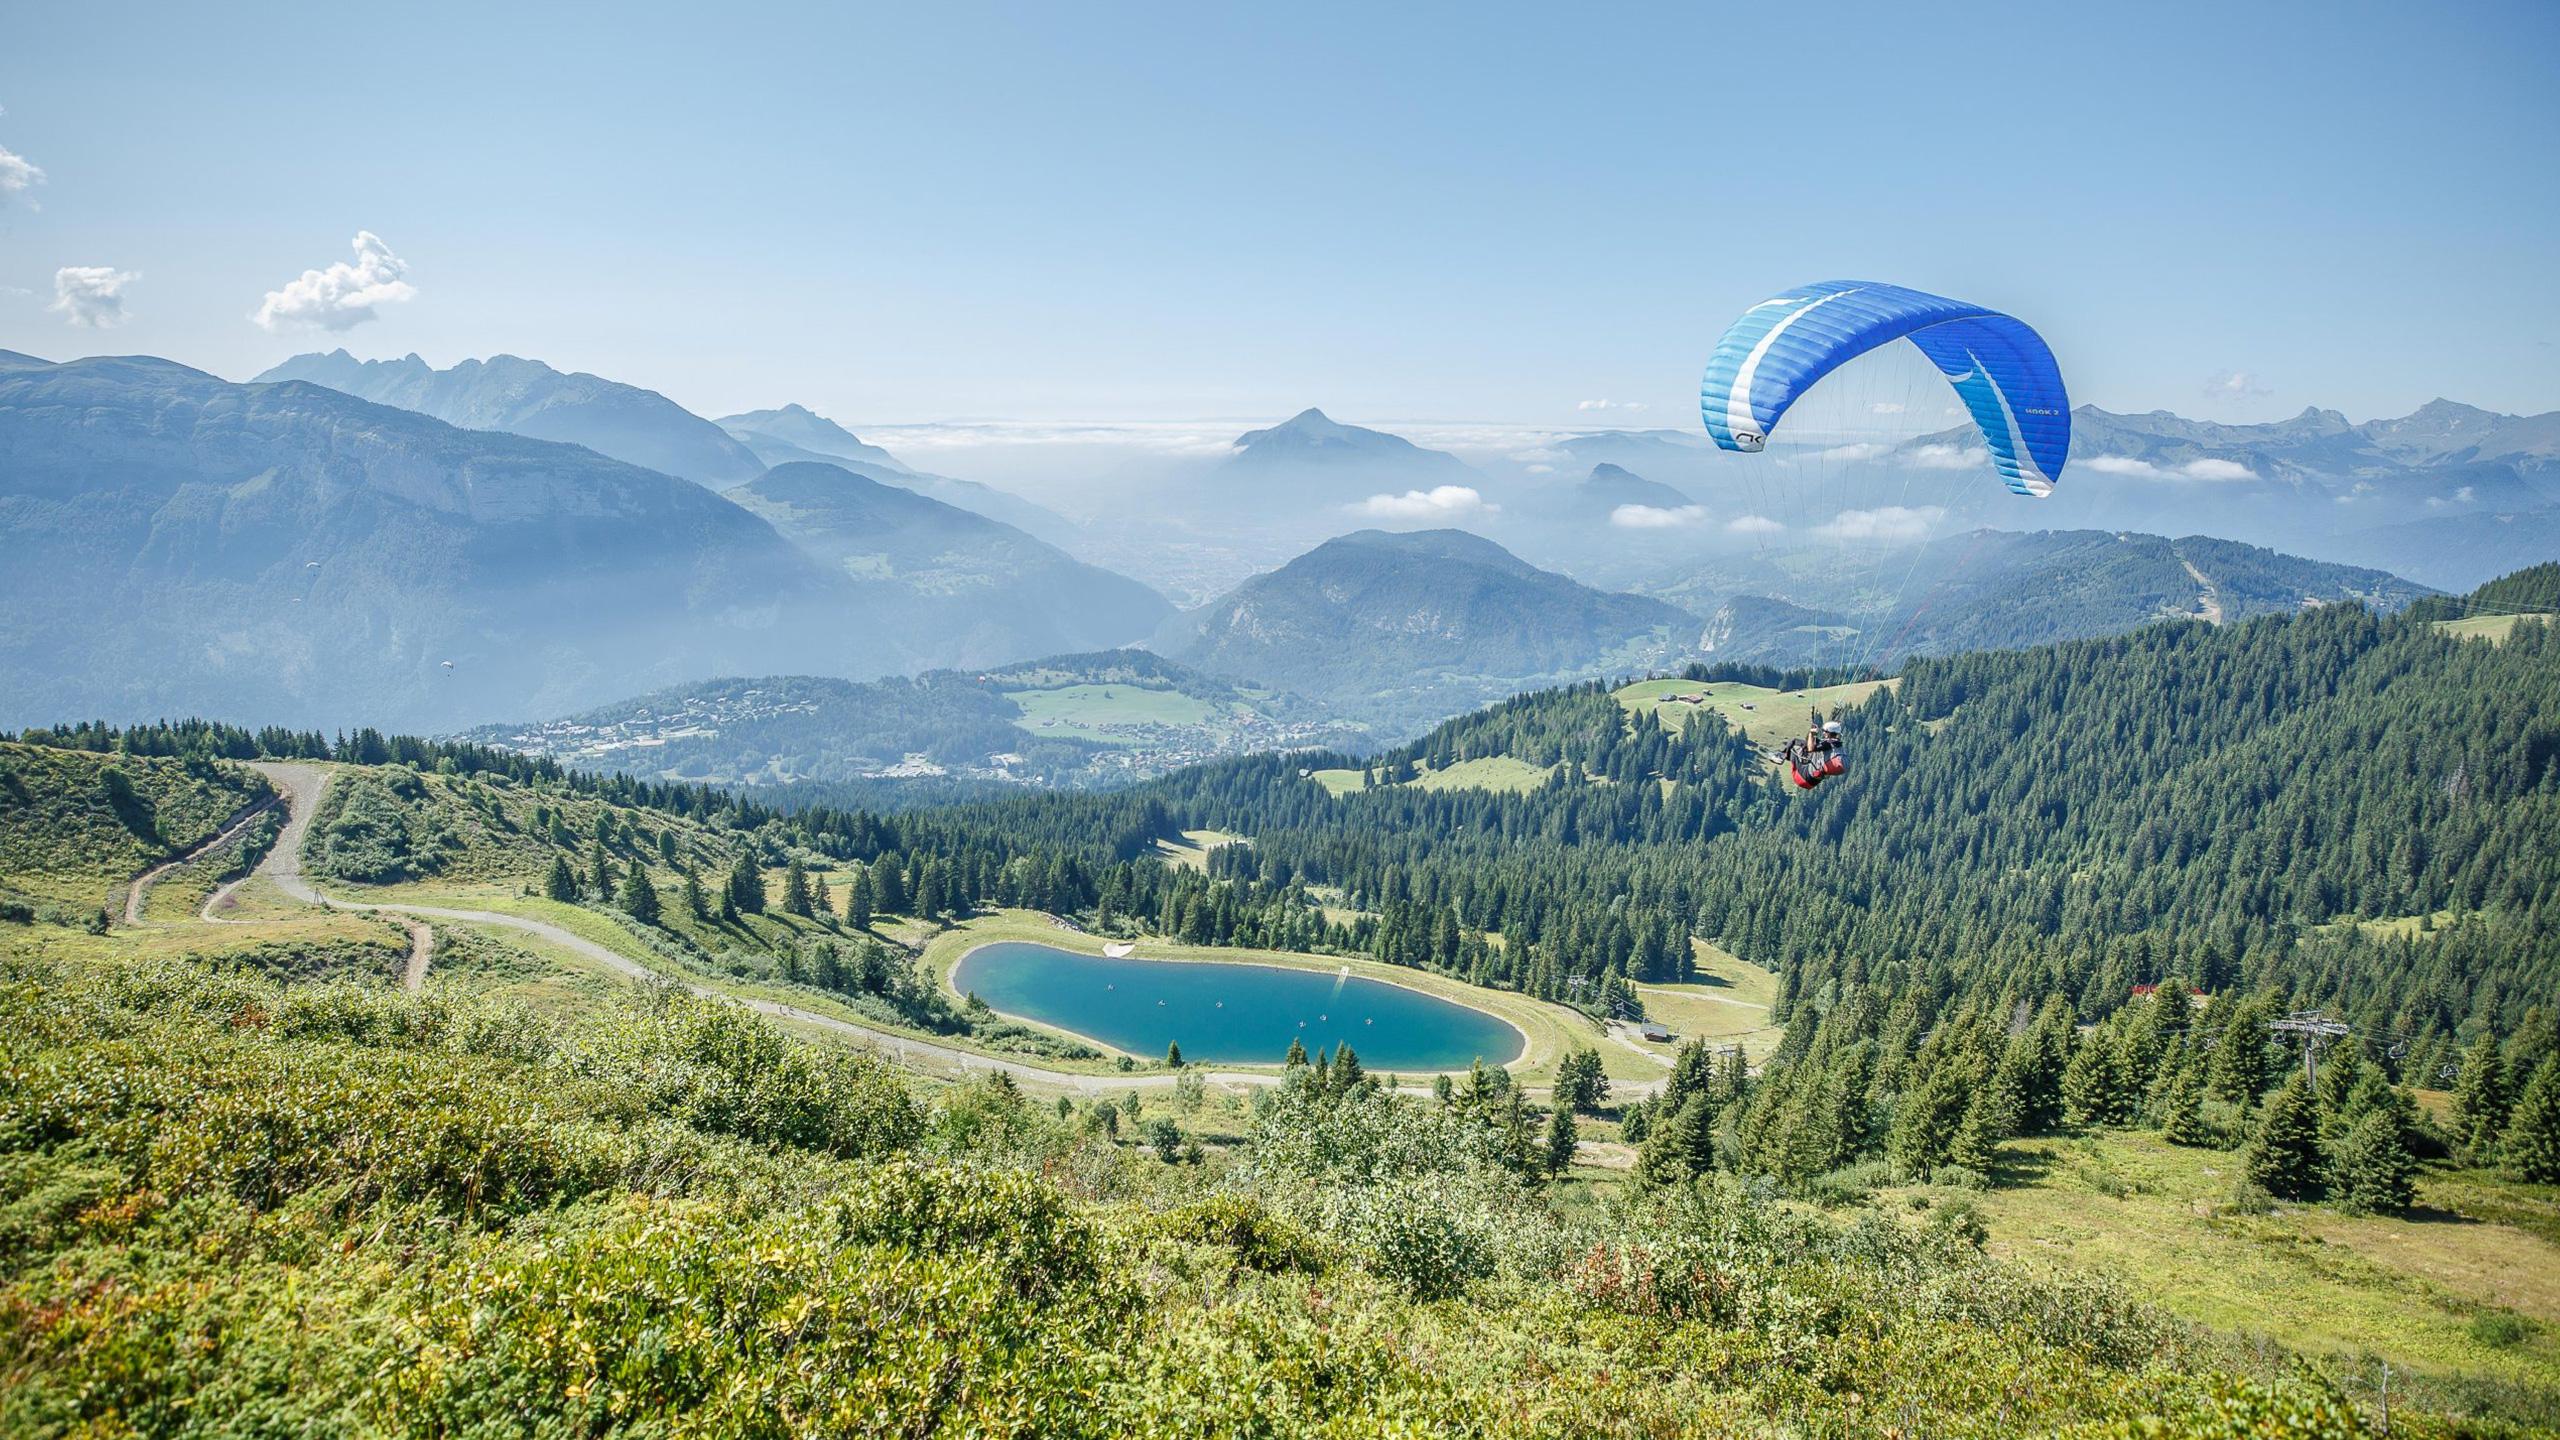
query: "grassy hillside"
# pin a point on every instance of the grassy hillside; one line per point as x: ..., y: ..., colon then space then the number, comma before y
x: 1767, y: 716
x: 333, y: 1208
x: 75, y: 827
x: 535, y: 1193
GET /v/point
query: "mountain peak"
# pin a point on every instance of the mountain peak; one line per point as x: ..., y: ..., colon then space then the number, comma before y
x: 1310, y: 426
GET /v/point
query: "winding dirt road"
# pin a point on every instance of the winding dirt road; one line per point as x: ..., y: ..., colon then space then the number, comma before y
x: 135, y: 894
x: 302, y: 785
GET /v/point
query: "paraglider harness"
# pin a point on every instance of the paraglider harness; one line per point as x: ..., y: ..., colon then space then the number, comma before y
x: 1816, y: 757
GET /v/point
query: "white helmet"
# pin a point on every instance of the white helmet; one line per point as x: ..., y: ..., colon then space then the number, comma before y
x: 1830, y: 727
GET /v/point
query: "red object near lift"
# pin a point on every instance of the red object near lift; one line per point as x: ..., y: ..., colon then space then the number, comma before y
x: 1832, y: 764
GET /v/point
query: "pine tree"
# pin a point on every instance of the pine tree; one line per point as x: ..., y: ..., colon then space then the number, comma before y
x: 1976, y: 1146
x: 562, y: 883
x: 858, y: 900
x: 1562, y: 1137
x: 2481, y: 1101
x: 1346, y: 1068
x: 2182, y: 1108
x: 1693, y: 1072
x: 600, y: 880
x: 888, y: 886
x: 639, y: 897
x: 2093, y: 1084
x: 795, y: 891
x: 1298, y: 1056
x: 1173, y: 1055
x: 2239, y: 1072
x: 2284, y: 1157
x: 696, y: 904
x: 1679, y: 1146
x: 1924, y: 1127
x: 746, y: 886
x: 2532, y: 1138
x: 1581, y: 1084
x: 2375, y: 1171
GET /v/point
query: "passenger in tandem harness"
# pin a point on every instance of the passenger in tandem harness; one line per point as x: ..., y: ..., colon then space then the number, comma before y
x: 1816, y: 757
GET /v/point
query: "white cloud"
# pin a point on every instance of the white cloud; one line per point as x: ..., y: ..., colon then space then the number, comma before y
x: 1752, y: 525
x: 2462, y: 496
x: 91, y: 296
x: 1610, y: 405
x: 1539, y: 470
x: 342, y: 296
x: 2203, y: 468
x: 1890, y: 522
x: 1657, y: 517
x: 18, y: 175
x: 2233, y: 385
x: 1861, y: 450
x: 2211, y: 469
x: 1885, y: 407
x: 2120, y: 465
x: 1440, y: 502
x: 1947, y: 457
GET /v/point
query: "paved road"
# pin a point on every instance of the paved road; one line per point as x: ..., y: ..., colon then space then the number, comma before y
x: 302, y: 785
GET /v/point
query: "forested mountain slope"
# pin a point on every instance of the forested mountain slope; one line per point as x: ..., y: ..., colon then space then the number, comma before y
x: 2224, y: 804
x: 1109, y: 717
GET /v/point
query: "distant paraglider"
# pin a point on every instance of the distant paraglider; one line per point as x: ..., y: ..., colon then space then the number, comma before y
x: 2000, y: 368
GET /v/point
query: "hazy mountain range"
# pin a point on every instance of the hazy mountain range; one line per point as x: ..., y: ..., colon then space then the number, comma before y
x: 288, y: 552
x: 315, y: 547
x: 527, y: 397
x: 1989, y: 589
x: 946, y: 581
x: 1395, y: 626
x: 778, y: 437
x: 2447, y: 495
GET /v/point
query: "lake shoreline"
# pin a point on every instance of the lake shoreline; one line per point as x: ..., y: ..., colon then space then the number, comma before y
x: 1314, y: 965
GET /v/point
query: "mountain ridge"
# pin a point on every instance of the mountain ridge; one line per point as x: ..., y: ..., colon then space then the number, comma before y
x: 527, y: 397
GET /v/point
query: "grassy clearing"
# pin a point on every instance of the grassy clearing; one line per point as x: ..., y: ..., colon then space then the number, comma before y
x: 2492, y: 628
x: 1731, y: 1007
x: 1499, y: 773
x: 1193, y: 852
x: 2352, y: 1289
x: 1767, y: 717
x: 1109, y: 714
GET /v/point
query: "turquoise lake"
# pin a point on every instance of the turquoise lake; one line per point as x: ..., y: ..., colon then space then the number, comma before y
x: 1231, y: 1014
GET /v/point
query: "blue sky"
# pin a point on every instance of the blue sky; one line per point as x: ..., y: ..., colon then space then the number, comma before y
x: 1465, y: 212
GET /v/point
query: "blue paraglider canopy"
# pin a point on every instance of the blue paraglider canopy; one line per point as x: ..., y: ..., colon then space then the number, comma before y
x: 2001, y: 369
